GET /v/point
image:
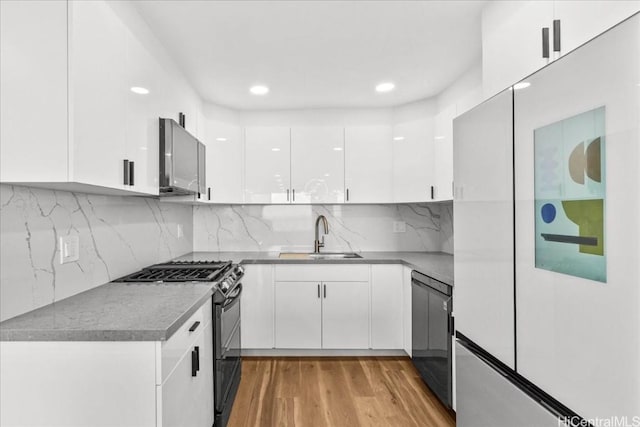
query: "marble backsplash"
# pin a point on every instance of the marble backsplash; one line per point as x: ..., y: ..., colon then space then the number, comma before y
x: 118, y: 235
x: 428, y: 227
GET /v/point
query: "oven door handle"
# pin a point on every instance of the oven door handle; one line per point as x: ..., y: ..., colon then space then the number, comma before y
x: 233, y: 299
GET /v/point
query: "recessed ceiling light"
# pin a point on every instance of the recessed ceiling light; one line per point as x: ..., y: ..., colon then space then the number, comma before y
x: 140, y: 90
x: 439, y: 137
x: 259, y: 90
x: 337, y: 148
x: 326, y: 174
x: 275, y: 149
x: 521, y: 85
x: 221, y: 139
x: 398, y: 138
x: 385, y: 87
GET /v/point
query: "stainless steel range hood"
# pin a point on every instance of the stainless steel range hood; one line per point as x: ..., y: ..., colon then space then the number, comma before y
x: 182, y: 161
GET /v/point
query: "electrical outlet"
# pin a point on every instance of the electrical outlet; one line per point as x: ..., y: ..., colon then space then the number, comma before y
x: 399, y: 226
x: 180, y: 231
x: 69, y: 249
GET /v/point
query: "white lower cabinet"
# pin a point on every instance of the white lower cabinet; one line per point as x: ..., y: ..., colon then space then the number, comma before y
x: 111, y: 383
x: 298, y: 315
x: 256, y: 306
x: 331, y: 307
x: 386, y: 306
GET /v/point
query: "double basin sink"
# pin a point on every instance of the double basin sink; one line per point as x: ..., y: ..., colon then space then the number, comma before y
x: 321, y: 255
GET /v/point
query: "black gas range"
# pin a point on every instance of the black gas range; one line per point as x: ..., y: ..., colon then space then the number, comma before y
x: 226, y: 277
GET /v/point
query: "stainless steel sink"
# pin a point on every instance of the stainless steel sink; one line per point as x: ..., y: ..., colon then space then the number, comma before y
x: 321, y: 255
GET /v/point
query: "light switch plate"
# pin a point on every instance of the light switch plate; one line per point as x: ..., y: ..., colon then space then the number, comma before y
x: 399, y: 226
x: 69, y: 249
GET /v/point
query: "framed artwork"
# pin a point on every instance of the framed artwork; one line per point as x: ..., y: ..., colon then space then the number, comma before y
x: 570, y: 197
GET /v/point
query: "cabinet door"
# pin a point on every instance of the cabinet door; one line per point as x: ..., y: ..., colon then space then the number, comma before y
x: 386, y: 307
x: 224, y: 162
x: 406, y: 310
x: 298, y: 315
x: 317, y: 164
x: 345, y: 315
x: 142, y: 112
x: 98, y: 93
x: 267, y: 164
x: 413, y: 160
x: 368, y: 169
x: 512, y: 41
x: 584, y: 20
x: 187, y: 400
x: 256, y: 306
x: 33, y: 91
x: 443, y: 154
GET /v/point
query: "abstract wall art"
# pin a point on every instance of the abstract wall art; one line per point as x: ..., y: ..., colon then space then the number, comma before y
x: 570, y: 202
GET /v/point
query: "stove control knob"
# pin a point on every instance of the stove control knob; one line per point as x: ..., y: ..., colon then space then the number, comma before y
x: 240, y: 269
x: 224, y: 285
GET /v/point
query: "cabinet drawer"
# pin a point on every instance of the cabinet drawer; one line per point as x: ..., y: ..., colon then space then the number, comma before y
x: 322, y: 273
x: 182, y: 339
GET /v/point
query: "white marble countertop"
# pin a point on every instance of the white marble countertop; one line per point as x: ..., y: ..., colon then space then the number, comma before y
x: 438, y: 265
x: 111, y: 312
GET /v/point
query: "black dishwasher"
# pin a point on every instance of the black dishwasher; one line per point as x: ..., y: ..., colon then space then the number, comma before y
x: 432, y: 325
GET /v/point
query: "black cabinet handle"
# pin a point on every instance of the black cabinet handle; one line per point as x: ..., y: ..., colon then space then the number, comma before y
x: 556, y: 35
x: 325, y: 290
x: 126, y: 171
x: 433, y: 192
x: 545, y: 42
x: 294, y: 194
x: 197, y: 350
x: 131, y: 173
x: 194, y: 326
x: 181, y: 119
x: 347, y: 194
x: 209, y: 193
x: 287, y: 194
x: 318, y: 290
x: 194, y: 363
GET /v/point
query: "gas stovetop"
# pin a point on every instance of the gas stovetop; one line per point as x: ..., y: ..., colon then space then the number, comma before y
x: 181, y: 271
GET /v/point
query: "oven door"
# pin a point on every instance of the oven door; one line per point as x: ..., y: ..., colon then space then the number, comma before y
x: 227, y: 351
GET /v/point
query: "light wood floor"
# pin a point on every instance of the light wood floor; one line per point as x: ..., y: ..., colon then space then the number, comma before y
x: 335, y: 392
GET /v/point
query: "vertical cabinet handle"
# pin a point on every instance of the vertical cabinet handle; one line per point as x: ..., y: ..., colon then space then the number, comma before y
x: 433, y: 192
x: 347, y: 194
x: 131, y: 173
x: 194, y: 363
x: 294, y: 194
x: 556, y: 35
x: 209, y: 193
x: 545, y: 42
x: 318, y: 290
x: 325, y: 290
x: 182, y: 119
x: 287, y: 194
x: 126, y: 171
x: 197, y: 350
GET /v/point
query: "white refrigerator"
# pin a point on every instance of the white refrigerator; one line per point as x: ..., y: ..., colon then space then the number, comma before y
x: 547, y: 244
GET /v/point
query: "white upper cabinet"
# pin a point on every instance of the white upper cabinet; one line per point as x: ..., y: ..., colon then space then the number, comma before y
x: 98, y: 95
x: 512, y: 34
x: 368, y: 168
x: 267, y: 164
x: 317, y: 164
x: 580, y: 21
x: 33, y: 91
x: 413, y: 160
x: 443, y: 154
x: 83, y: 85
x: 224, y: 166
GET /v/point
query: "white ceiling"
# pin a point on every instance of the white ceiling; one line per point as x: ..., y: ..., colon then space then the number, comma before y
x: 317, y: 54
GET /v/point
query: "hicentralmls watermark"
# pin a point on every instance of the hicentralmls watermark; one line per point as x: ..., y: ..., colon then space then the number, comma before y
x: 613, y: 421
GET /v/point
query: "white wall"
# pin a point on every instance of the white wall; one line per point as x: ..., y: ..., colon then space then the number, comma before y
x: 118, y: 235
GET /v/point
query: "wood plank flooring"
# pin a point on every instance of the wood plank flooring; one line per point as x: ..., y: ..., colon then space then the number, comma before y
x: 335, y: 392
